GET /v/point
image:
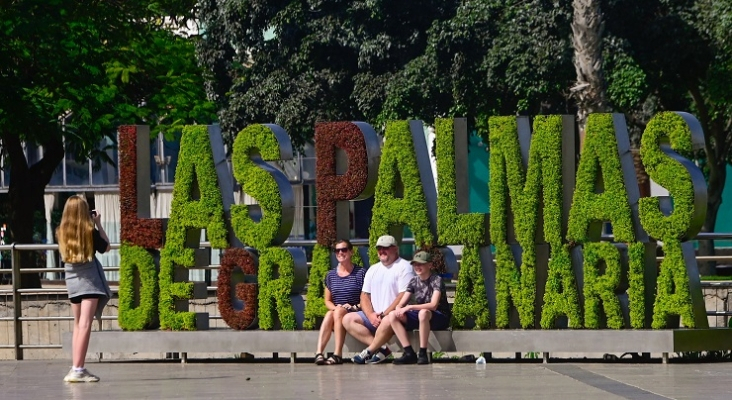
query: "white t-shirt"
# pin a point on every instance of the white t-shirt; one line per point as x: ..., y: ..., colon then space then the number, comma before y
x: 385, y: 283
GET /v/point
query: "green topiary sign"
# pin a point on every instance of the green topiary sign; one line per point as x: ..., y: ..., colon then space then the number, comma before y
x: 553, y: 267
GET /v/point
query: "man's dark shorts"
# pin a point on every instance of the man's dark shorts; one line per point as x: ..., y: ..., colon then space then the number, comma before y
x: 366, y: 322
x: 439, y: 321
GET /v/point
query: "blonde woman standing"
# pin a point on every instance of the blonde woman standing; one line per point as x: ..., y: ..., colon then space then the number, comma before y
x: 79, y: 236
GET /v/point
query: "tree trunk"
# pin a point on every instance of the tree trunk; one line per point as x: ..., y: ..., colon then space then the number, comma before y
x: 587, y: 29
x: 716, y: 147
x: 27, y: 185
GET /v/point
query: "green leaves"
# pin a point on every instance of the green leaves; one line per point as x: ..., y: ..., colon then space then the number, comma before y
x: 520, y: 190
x: 379, y: 61
x: 276, y: 276
x: 398, y: 172
x: 134, y: 317
x: 197, y: 204
x: 669, y: 173
x: 600, y: 167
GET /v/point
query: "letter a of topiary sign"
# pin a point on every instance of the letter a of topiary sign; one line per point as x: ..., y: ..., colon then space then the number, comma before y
x: 197, y: 204
x: 399, y: 173
x: 468, y: 229
x: 600, y: 167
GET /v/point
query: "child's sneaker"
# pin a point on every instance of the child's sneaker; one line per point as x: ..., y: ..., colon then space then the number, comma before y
x: 80, y: 376
x: 362, y: 357
x: 379, y: 357
x: 406, y: 358
x: 422, y: 359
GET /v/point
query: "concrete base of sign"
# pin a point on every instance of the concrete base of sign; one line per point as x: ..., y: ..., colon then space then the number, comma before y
x: 540, y: 341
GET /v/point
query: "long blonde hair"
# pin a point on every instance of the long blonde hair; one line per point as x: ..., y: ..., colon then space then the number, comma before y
x: 75, y: 240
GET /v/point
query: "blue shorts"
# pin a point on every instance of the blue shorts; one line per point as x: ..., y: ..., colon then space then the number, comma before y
x: 439, y: 321
x: 366, y: 322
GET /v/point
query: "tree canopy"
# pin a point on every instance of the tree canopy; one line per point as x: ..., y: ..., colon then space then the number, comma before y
x: 71, y: 71
x: 296, y: 63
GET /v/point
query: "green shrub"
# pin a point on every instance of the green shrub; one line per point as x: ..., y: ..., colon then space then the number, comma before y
x: 637, y: 284
x: 600, y: 162
x: 523, y: 188
x: 672, y: 276
x: 674, y: 228
x: 599, y: 290
x: 260, y: 184
x: 466, y: 229
x: 171, y: 291
x: 561, y: 296
x: 470, y: 298
x: 398, y: 171
x: 315, y: 305
x: 145, y: 315
x: 197, y: 204
x: 274, y: 292
x: 670, y: 174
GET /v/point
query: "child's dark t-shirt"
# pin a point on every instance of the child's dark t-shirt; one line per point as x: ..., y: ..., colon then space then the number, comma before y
x: 422, y: 292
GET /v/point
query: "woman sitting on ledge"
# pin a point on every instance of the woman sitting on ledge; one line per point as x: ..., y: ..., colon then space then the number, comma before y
x: 342, y: 293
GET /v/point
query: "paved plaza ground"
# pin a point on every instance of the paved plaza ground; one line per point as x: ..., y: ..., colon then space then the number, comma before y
x: 246, y: 380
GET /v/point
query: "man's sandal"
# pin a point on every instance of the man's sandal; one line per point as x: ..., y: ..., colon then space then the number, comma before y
x: 319, y: 359
x: 334, y: 360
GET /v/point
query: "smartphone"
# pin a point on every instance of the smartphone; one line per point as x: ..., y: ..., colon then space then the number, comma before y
x: 93, y: 213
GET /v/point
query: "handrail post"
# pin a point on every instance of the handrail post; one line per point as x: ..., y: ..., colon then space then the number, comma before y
x: 17, y: 303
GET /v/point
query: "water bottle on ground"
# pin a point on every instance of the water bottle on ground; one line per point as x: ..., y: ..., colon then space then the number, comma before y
x: 480, y: 362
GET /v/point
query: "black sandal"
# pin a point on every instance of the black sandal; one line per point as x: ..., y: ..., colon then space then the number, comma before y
x: 319, y: 359
x: 334, y: 360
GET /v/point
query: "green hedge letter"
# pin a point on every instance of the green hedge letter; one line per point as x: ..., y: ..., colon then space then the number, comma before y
x: 455, y: 225
x: 196, y: 205
x: 403, y: 186
x: 665, y: 135
x: 524, y: 186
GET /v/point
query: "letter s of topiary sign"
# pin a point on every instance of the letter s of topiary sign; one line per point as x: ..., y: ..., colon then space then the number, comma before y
x: 282, y: 271
x: 666, y: 135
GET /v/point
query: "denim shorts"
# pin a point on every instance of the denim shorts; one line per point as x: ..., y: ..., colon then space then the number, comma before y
x: 439, y: 321
x: 366, y: 322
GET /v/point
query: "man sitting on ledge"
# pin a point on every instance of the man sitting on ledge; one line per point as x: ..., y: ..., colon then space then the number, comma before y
x: 383, y: 286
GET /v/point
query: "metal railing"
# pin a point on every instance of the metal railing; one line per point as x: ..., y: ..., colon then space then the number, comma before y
x: 17, y: 292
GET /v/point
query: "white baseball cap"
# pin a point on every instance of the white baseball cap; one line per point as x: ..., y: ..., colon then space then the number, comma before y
x: 386, y: 241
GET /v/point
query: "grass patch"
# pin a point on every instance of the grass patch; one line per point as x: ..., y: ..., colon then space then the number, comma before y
x: 716, y: 278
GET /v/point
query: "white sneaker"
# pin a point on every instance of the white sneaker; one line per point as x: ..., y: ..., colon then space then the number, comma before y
x: 361, y: 357
x: 83, y: 376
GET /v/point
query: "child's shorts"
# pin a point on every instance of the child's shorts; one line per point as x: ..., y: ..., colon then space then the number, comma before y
x: 439, y: 321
